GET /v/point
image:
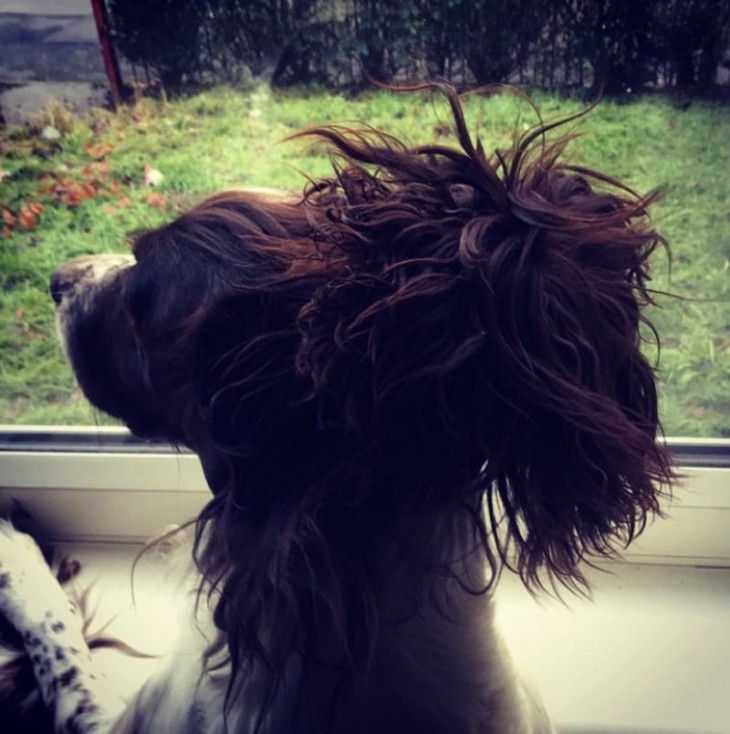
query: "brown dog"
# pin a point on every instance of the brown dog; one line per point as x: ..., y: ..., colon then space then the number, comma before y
x: 426, y: 369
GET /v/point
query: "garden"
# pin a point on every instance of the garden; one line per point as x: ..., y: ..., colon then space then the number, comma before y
x: 71, y: 185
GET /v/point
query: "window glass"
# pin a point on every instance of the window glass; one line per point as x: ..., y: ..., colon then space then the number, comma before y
x: 79, y: 182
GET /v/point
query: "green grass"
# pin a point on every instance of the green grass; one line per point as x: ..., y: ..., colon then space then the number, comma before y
x: 227, y: 139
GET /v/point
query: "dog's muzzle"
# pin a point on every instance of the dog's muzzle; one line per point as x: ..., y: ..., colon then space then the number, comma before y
x: 85, y: 273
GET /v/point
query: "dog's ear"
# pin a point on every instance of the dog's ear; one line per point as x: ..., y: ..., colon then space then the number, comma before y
x: 195, y: 296
x: 484, y: 327
x: 187, y: 265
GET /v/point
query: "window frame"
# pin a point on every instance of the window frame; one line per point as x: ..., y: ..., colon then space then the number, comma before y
x: 102, y: 484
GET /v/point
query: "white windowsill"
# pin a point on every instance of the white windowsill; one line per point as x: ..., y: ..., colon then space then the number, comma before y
x: 130, y: 497
x: 649, y: 653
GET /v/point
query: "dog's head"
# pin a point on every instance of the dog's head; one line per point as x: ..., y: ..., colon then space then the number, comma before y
x: 161, y: 338
x: 430, y: 333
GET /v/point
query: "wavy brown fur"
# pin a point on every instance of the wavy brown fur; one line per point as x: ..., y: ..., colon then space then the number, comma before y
x: 467, y: 336
x: 434, y: 351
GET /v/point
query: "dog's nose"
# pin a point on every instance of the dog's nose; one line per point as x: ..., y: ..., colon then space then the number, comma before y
x: 85, y: 271
x: 60, y: 283
x: 66, y: 276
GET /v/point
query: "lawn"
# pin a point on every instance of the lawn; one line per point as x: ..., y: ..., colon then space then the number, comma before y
x: 84, y: 191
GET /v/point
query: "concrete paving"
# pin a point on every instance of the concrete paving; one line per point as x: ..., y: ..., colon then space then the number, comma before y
x: 46, y: 7
x: 23, y: 103
x: 49, y: 49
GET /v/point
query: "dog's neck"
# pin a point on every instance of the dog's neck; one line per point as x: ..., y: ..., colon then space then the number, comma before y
x: 437, y: 665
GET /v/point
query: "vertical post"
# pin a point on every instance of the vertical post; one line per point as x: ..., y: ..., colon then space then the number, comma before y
x: 111, y: 65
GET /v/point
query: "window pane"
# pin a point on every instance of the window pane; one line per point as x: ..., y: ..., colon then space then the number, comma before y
x: 71, y: 185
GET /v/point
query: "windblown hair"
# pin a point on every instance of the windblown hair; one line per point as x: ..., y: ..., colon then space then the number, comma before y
x: 434, y: 351
x: 437, y: 334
